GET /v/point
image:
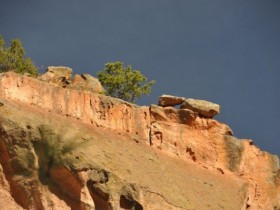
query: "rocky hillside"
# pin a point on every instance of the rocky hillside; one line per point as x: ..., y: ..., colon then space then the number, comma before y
x: 63, y: 145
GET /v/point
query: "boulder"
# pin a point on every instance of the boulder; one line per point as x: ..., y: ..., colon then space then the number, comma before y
x: 169, y: 100
x: 203, y: 108
x: 86, y: 82
x: 57, y: 75
x: 60, y: 71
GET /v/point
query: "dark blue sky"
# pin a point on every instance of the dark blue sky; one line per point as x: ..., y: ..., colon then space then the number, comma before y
x: 224, y: 51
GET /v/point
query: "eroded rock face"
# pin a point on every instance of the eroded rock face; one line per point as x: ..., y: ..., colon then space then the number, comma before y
x: 182, y: 133
x: 71, y: 149
x: 67, y: 165
x: 95, y: 109
x: 86, y: 82
x: 202, y: 107
x: 169, y: 100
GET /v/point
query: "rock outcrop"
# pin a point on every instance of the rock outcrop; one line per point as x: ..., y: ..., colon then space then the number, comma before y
x: 202, y: 107
x: 169, y: 100
x: 65, y: 148
x: 57, y: 75
x: 62, y: 76
x: 86, y: 82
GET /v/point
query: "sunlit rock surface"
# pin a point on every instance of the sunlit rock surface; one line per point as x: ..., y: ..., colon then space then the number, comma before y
x: 63, y: 148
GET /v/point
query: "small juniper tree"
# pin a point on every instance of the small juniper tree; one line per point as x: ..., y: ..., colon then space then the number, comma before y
x: 12, y: 58
x: 124, y: 82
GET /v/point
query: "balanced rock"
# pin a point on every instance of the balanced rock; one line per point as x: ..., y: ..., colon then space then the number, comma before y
x: 86, y: 82
x: 203, y: 108
x: 169, y: 100
x: 57, y: 75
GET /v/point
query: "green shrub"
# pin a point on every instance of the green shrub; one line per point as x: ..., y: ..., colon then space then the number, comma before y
x: 124, y: 82
x: 12, y: 58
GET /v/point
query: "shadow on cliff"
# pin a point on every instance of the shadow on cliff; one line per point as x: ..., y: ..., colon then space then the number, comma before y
x: 52, y: 170
x: 18, y: 192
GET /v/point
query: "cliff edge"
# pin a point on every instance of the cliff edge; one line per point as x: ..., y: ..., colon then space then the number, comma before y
x: 63, y: 147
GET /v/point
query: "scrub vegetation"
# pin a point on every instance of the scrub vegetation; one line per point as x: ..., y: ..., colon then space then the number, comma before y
x: 124, y: 82
x: 12, y: 58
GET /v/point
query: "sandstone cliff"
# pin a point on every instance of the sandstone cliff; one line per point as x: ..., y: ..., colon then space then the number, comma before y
x: 70, y: 148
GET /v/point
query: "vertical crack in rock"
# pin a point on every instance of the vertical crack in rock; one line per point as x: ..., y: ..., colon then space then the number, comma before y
x: 150, y: 127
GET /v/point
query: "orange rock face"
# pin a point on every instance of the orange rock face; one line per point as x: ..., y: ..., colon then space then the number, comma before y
x: 98, y: 110
x: 210, y: 144
x: 86, y: 82
x: 152, y: 157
